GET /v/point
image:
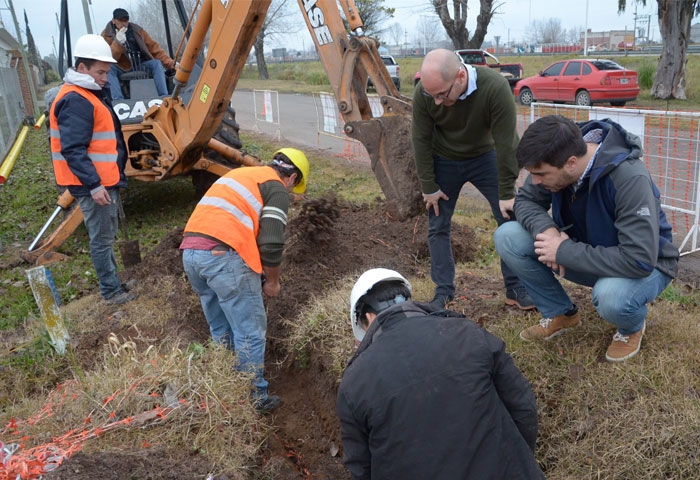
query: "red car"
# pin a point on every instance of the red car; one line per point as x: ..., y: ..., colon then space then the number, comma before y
x: 582, y: 82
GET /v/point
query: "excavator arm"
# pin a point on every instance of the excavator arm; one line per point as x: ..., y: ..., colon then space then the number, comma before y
x: 348, y: 60
x: 174, y: 135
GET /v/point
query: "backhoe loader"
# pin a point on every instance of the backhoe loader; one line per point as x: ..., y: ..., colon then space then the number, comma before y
x: 185, y: 134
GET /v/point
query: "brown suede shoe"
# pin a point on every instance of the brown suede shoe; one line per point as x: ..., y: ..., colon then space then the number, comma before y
x: 624, y: 346
x: 549, y: 328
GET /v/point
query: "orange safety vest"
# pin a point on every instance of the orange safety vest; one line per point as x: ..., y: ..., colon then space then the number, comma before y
x: 230, y: 211
x: 102, y: 149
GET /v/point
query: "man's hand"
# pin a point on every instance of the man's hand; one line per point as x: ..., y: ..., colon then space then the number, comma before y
x: 546, y: 246
x: 101, y: 197
x: 271, y: 289
x: 120, y: 37
x: 432, y: 199
x: 506, y: 207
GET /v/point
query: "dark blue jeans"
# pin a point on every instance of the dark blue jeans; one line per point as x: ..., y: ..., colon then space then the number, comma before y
x: 451, y: 175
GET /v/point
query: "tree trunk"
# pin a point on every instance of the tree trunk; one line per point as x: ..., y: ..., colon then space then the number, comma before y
x: 674, y: 24
x: 260, y: 56
x: 457, y: 29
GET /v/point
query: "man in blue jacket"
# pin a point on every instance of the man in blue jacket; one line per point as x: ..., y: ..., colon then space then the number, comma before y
x: 606, y: 230
x: 89, y: 156
x: 430, y: 394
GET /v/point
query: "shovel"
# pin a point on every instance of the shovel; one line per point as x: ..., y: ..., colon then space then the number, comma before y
x: 129, y: 249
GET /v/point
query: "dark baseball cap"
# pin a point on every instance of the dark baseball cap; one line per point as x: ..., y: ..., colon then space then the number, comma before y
x: 120, y: 13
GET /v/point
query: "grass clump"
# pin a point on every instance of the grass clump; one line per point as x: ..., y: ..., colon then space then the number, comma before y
x: 191, y: 401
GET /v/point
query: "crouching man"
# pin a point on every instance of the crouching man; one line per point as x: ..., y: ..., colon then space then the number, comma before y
x: 606, y: 229
x: 430, y: 394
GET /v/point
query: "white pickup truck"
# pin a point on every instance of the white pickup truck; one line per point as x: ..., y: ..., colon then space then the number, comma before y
x: 393, y: 69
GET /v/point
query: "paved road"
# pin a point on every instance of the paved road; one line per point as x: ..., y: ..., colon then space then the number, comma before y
x: 298, y: 120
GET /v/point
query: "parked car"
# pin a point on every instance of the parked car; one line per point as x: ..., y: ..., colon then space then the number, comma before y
x: 393, y: 67
x: 583, y: 82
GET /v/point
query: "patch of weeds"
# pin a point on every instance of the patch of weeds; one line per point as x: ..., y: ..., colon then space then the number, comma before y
x: 676, y: 294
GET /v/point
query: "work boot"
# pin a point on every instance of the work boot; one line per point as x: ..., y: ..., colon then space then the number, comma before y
x: 518, y: 297
x: 440, y: 300
x: 267, y: 404
x: 120, y: 298
x: 549, y: 328
x: 624, y: 346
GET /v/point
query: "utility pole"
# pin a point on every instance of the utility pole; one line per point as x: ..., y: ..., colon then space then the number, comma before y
x: 86, y: 13
x: 585, y: 34
x: 30, y: 76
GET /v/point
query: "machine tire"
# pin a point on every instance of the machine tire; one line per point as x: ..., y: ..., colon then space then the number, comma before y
x: 228, y: 133
x: 583, y: 99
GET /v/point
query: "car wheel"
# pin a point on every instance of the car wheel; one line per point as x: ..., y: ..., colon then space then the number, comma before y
x: 397, y: 84
x: 583, y: 99
x: 617, y: 104
x: 525, y: 96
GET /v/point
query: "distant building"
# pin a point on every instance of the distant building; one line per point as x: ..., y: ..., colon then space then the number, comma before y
x: 609, y: 40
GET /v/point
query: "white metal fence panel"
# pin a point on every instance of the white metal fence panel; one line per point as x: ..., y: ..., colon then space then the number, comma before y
x: 671, y: 142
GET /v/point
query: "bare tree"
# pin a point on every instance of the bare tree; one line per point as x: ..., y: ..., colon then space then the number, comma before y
x: 395, y: 33
x: 149, y: 15
x: 427, y: 32
x: 674, y: 24
x: 573, y: 35
x: 278, y: 21
x: 457, y: 28
x: 547, y: 31
x: 373, y: 14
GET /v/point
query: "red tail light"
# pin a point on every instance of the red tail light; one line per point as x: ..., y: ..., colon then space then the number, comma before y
x: 605, y: 80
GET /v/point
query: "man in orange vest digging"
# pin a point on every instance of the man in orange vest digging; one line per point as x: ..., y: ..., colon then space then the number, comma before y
x: 232, y: 251
x: 89, y: 156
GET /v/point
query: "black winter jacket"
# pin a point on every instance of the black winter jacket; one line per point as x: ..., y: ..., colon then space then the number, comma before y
x: 431, y: 395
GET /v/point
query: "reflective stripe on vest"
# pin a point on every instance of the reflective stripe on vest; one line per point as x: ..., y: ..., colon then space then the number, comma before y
x: 102, y: 149
x: 231, y: 209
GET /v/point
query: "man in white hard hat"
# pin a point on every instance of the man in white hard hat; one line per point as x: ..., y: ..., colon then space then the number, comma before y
x: 430, y: 394
x: 89, y: 156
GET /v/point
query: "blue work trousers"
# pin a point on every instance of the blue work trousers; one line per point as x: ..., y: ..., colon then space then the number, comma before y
x: 154, y: 67
x: 620, y: 301
x: 231, y: 297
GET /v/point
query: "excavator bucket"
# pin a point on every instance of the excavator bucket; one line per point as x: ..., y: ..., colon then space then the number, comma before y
x: 387, y: 140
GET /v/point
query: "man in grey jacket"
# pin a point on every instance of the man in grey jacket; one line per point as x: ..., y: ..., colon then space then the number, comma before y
x: 430, y: 394
x: 606, y: 230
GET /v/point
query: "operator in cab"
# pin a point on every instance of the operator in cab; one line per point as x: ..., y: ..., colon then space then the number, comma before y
x: 134, y: 49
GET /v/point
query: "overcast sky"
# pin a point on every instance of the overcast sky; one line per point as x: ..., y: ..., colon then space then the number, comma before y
x: 511, y: 24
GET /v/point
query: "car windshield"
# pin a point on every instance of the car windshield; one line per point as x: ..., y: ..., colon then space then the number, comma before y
x: 606, y: 65
x: 388, y: 61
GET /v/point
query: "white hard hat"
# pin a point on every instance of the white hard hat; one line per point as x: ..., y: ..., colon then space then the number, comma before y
x: 94, y: 47
x: 363, y: 285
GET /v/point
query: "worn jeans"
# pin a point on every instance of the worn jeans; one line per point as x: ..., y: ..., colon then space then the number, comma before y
x: 154, y: 67
x: 620, y: 301
x: 231, y: 297
x: 451, y: 175
x: 102, y: 226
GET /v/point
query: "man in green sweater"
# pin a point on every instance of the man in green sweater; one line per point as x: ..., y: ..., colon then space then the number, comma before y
x: 464, y: 131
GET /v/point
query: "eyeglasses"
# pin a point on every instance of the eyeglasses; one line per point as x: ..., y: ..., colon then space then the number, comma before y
x: 443, y: 96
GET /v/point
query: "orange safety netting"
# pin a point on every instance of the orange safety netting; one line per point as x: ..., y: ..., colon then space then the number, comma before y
x: 19, y: 462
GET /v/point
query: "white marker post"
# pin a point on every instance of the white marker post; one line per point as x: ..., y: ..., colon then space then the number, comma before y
x: 50, y: 313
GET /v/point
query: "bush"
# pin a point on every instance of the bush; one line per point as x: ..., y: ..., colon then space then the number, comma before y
x: 645, y: 75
